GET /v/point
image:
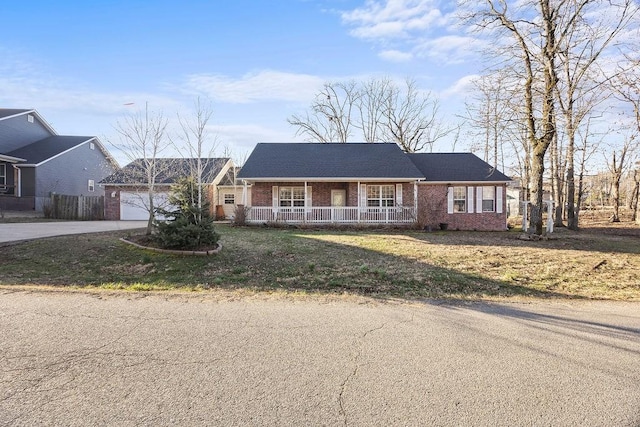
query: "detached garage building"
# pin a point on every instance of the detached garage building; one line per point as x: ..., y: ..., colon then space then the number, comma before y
x: 127, y: 191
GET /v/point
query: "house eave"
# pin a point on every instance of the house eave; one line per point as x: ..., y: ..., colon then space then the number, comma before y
x: 11, y: 159
x: 427, y: 182
x: 332, y: 179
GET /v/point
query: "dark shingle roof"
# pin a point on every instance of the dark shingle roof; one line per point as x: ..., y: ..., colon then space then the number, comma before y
x: 8, y: 112
x: 169, y: 171
x: 456, y: 167
x: 332, y: 160
x: 46, y: 148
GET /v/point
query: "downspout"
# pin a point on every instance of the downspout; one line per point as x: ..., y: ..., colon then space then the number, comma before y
x: 306, y: 197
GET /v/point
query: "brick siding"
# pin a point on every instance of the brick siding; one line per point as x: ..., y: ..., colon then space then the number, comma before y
x: 432, y: 211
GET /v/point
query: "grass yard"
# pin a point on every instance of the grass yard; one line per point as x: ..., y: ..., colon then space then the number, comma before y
x: 589, y: 264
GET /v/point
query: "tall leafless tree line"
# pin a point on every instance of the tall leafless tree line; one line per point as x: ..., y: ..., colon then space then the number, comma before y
x: 554, y: 79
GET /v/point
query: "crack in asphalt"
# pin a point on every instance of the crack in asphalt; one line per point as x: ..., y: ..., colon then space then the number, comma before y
x: 356, y: 362
x: 354, y: 371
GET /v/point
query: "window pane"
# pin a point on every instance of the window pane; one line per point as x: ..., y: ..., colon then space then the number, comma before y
x: 387, y: 191
x: 488, y: 199
x: 373, y: 191
x: 298, y: 193
x: 285, y: 193
x: 488, y: 193
x: 459, y: 193
x: 229, y: 199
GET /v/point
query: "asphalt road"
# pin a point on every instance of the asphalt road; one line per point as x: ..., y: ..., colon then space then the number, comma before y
x: 131, y: 359
x: 12, y: 232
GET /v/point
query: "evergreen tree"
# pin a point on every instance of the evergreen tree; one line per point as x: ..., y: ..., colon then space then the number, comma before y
x: 188, y: 226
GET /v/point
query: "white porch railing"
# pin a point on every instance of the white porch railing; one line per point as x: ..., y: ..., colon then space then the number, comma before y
x: 332, y: 215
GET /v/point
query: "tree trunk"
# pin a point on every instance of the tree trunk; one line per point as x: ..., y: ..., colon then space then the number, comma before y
x: 537, y: 172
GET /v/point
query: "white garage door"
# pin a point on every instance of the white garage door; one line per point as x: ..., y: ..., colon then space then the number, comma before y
x: 134, y: 206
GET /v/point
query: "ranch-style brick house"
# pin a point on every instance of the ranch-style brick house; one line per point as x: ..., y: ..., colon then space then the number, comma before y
x: 365, y: 183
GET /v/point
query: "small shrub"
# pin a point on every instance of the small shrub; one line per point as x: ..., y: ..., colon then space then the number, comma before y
x: 47, y: 210
x: 240, y: 214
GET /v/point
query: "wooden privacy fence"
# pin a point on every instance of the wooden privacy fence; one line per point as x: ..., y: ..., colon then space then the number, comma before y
x: 77, y: 207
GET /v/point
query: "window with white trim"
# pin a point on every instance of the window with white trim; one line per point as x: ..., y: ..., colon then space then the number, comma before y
x: 230, y: 199
x: 92, y: 146
x: 380, y: 195
x: 91, y: 186
x: 291, y: 197
x: 488, y: 199
x: 3, y: 175
x: 459, y: 199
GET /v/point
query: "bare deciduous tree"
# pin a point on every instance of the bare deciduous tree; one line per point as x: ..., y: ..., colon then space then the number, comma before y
x: 380, y: 109
x: 142, y: 139
x: 330, y: 118
x: 412, y: 119
x: 617, y: 164
x: 197, y: 145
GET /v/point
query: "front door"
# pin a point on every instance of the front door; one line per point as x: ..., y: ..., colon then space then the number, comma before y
x: 338, y: 198
x: 338, y: 202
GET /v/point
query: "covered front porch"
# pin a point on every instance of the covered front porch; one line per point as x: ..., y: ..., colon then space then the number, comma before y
x: 332, y: 202
x: 333, y: 215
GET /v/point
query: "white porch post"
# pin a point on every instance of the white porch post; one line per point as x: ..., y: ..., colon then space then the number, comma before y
x: 359, y: 198
x: 244, y: 193
x: 415, y: 199
x: 306, y: 208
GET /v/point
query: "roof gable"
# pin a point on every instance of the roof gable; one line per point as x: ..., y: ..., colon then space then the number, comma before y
x: 328, y: 161
x: 170, y: 170
x: 456, y: 167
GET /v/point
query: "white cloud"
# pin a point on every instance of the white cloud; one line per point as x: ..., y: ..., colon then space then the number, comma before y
x: 393, y: 18
x: 460, y: 88
x: 266, y: 85
x: 451, y: 49
x: 395, y: 56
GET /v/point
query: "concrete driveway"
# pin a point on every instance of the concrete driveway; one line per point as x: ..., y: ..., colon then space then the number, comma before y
x: 13, y: 232
x: 209, y: 358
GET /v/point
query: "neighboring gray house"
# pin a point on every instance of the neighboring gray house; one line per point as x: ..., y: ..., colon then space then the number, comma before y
x: 35, y: 162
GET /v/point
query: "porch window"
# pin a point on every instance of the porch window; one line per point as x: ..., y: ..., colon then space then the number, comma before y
x: 380, y: 195
x: 488, y: 199
x: 291, y: 197
x: 3, y: 175
x: 91, y: 186
x: 459, y: 199
x: 229, y: 199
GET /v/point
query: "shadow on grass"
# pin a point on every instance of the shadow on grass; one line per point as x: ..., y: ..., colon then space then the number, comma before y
x: 261, y: 260
x: 563, y: 239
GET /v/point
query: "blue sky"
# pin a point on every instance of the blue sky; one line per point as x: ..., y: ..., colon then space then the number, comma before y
x: 78, y: 63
